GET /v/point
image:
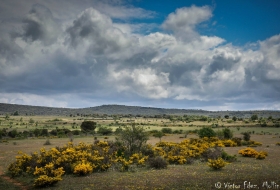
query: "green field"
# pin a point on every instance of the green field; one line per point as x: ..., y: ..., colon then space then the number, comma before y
x: 188, y: 176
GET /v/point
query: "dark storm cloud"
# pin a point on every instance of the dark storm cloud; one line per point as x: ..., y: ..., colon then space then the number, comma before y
x: 96, y: 30
x: 221, y: 62
x: 9, y: 51
x: 32, y: 30
x: 40, y: 24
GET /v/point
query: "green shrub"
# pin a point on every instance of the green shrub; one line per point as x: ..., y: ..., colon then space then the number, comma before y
x: 177, y: 131
x: 229, y: 158
x: 76, y: 132
x: 105, y: 130
x: 147, y: 150
x: 88, y: 126
x: 254, y: 117
x: 118, y: 130
x: 246, y: 136
x: 53, y: 132
x: 133, y: 138
x: 166, y: 130
x: 206, y: 132
x: 44, y: 132
x: 228, y: 134
x: 13, y: 133
x: 237, y: 141
x: 157, y: 162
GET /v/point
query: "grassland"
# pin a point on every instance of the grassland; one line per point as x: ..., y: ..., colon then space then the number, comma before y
x: 191, y: 176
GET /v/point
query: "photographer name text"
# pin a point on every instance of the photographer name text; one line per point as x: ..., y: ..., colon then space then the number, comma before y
x: 247, y: 185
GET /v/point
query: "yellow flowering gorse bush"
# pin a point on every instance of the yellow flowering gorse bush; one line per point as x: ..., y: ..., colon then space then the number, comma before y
x: 48, y: 166
x: 250, y: 152
x: 216, y: 164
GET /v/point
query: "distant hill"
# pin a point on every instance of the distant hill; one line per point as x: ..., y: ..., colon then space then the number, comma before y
x: 126, y: 110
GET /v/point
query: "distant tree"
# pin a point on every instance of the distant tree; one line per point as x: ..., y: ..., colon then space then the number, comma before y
x: 166, y: 130
x: 13, y: 133
x: 16, y: 113
x: 234, y: 118
x: 159, y: 134
x: 206, y: 132
x: 1, y: 134
x: 7, y: 117
x: 88, y: 126
x: 203, y: 118
x: 228, y: 134
x: 53, y: 132
x: 31, y: 121
x: 105, y: 130
x: 37, y: 132
x: 118, y: 130
x: 76, y: 132
x: 254, y: 117
x: 44, y: 132
x: 246, y: 136
x: 226, y: 116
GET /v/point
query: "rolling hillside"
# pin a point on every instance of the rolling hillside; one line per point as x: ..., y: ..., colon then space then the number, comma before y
x: 126, y: 110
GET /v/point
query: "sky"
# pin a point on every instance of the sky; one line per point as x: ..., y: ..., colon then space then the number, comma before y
x: 210, y: 55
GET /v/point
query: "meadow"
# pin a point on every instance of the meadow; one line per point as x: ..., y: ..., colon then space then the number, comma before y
x: 244, y: 173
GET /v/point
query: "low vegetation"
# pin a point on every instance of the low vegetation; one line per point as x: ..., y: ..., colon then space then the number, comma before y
x: 187, y: 149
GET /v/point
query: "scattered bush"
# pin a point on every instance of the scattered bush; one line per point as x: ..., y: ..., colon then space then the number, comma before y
x: 133, y: 138
x: 47, y: 142
x: 228, y: 134
x: 48, y: 175
x: 12, y: 133
x: 261, y: 155
x: 246, y: 136
x: 254, y: 117
x: 217, y: 163
x: 250, y: 152
x: 76, y: 132
x: 147, y: 150
x: 254, y: 143
x: 83, y: 168
x: 105, y: 130
x: 206, y: 132
x: 167, y: 130
x: 157, y: 162
x: 44, y: 132
x: 229, y: 158
x: 53, y: 132
x: 159, y: 134
x: 88, y: 126
x: 229, y: 143
x: 237, y: 141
